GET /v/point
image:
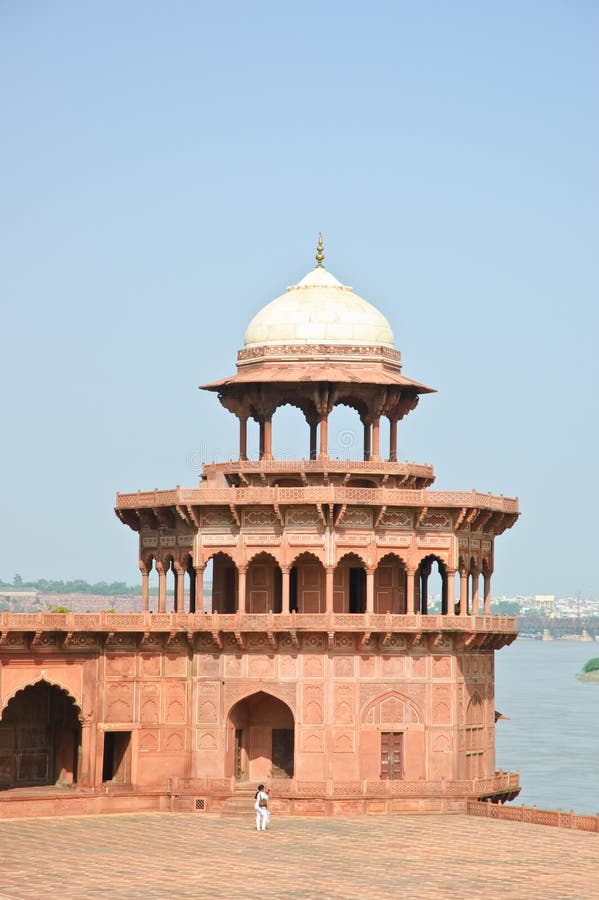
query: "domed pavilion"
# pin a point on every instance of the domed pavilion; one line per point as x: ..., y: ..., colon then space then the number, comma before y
x: 318, y: 624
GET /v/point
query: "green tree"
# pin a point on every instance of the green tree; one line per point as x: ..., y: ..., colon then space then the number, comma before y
x: 592, y: 665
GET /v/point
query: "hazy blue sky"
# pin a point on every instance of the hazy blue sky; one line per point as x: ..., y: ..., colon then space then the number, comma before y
x: 165, y: 169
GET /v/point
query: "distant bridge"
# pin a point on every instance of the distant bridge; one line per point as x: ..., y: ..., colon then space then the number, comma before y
x: 586, y: 628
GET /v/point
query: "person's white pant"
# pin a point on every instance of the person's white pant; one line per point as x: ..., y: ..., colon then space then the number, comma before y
x: 262, y: 817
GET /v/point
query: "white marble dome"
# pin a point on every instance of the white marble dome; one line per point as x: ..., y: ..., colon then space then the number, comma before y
x: 319, y: 310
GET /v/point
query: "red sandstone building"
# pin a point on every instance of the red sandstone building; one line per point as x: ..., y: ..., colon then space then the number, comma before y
x: 317, y: 663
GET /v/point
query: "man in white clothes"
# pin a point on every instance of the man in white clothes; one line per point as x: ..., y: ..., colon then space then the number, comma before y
x: 261, y: 807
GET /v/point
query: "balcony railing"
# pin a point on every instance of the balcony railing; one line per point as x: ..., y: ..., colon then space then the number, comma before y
x: 206, y: 496
x: 254, y: 622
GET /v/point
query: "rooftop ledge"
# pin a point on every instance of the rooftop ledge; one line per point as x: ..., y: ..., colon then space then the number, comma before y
x: 371, y: 466
x: 322, y: 494
x: 269, y: 623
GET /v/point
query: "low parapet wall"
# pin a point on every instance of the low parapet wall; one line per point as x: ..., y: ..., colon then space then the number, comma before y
x: 533, y: 816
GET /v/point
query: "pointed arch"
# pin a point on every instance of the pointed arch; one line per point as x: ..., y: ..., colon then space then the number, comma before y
x: 349, y: 584
x: 51, y: 682
x: 40, y: 733
x: 390, y: 585
x: 425, y: 569
x: 225, y: 582
x: 263, y: 583
x: 307, y: 584
x: 260, y: 737
x: 391, y: 708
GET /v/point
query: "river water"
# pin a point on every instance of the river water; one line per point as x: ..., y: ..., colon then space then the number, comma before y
x: 552, y: 735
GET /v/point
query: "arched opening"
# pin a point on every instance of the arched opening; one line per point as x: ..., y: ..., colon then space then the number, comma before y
x: 40, y: 738
x: 432, y: 585
x: 152, y: 584
x: 260, y: 739
x: 307, y: 585
x: 189, y: 581
x: 290, y: 431
x: 263, y: 585
x: 390, y: 586
x: 349, y: 585
x: 346, y: 433
x: 170, y: 580
x: 225, y: 584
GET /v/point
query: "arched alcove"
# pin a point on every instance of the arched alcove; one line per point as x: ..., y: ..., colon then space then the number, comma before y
x: 390, y: 585
x: 263, y: 584
x: 307, y: 585
x: 261, y: 739
x: 225, y: 584
x: 40, y: 737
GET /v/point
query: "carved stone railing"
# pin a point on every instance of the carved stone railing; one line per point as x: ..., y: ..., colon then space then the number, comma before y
x: 318, y: 466
x: 321, y: 494
x: 255, y: 622
x: 499, y: 783
x: 533, y: 816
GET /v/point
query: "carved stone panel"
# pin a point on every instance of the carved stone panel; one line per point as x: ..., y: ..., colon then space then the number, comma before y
x: 149, y: 704
x: 119, y: 702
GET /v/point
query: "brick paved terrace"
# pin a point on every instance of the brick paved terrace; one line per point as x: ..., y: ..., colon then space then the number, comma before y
x: 199, y: 855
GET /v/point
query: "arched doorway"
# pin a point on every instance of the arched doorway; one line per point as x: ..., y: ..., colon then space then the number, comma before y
x: 225, y: 584
x: 263, y: 585
x: 307, y: 585
x: 40, y: 738
x: 390, y: 586
x: 261, y: 739
x: 349, y: 591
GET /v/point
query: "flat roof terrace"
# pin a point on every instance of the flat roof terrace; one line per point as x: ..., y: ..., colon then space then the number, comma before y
x: 191, y: 855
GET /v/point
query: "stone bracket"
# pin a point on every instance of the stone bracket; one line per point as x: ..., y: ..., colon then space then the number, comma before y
x: 217, y: 637
x: 363, y: 639
x: 272, y: 639
x: 239, y: 640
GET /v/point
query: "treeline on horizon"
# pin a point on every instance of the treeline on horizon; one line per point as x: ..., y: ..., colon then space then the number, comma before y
x: 77, y: 586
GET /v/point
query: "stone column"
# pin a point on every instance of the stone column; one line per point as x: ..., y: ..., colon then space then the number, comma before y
x: 450, y: 592
x: 261, y: 440
x: 161, y: 587
x: 475, y: 584
x: 328, y: 591
x: 243, y: 437
x: 369, y: 590
x: 84, y: 776
x: 285, y: 590
x: 192, y: 588
x: 366, y: 441
x: 242, y: 571
x: 313, y: 439
x: 267, y: 438
x: 392, y: 440
x: 376, y: 438
x: 487, y: 592
x: 324, y: 437
x: 424, y: 591
x: 463, y: 593
x: 145, y: 589
x: 199, y: 589
x: 179, y: 588
x: 410, y: 591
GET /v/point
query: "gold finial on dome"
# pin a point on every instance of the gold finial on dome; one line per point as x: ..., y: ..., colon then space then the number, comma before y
x: 319, y: 253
